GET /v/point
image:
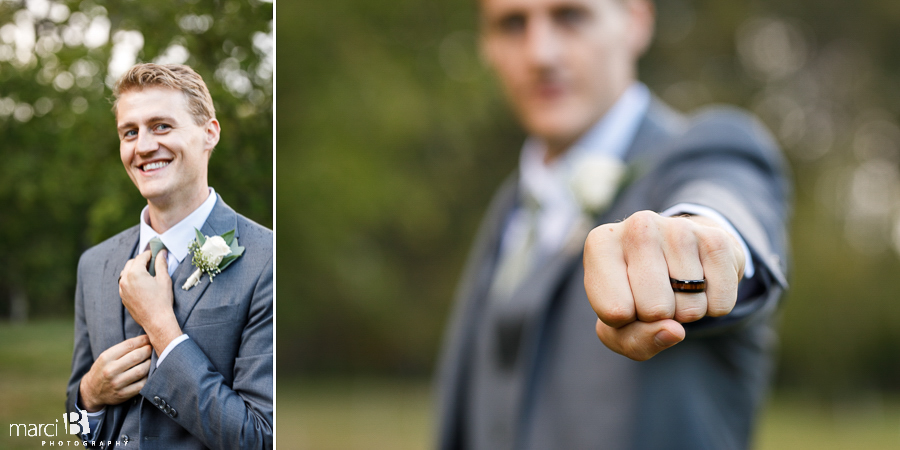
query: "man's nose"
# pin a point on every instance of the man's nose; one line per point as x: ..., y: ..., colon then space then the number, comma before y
x: 146, y: 142
x: 543, y: 43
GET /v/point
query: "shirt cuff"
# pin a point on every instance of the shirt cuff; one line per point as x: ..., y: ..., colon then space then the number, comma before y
x: 705, y: 211
x: 169, y: 348
x: 95, y: 419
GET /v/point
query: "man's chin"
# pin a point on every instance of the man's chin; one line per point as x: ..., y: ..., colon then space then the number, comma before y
x: 556, y: 131
x: 155, y: 196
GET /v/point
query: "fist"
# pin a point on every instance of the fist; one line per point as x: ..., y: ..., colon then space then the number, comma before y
x: 627, y: 267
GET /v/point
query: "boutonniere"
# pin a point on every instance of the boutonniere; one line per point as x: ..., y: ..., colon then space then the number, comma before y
x: 211, y: 255
x: 596, y: 180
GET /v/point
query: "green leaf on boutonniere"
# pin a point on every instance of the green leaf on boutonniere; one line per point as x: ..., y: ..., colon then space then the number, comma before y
x: 229, y: 237
x: 201, y: 239
x: 236, y: 250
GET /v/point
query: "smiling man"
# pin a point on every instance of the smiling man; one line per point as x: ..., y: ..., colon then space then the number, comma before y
x: 160, y: 362
x: 680, y: 284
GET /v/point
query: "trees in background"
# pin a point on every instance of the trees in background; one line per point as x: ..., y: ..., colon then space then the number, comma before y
x: 62, y: 185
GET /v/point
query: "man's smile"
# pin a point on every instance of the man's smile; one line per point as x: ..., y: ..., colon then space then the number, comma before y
x: 154, y: 166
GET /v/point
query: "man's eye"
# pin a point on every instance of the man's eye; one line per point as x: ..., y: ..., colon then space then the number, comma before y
x: 129, y: 133
x: 570, y: 16
x: 162, y: 127
x: 512, y: 24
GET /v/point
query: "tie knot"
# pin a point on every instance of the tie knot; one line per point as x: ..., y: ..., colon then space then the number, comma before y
x: 155, y: 244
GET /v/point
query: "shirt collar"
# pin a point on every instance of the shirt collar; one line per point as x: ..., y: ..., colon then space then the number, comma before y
x: 177, y: 238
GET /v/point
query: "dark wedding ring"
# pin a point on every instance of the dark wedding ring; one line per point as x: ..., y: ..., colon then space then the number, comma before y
x: 689, y: 286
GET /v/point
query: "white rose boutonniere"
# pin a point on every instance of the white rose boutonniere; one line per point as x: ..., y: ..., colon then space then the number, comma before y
x: 211, y: 255
x: 596, y: 181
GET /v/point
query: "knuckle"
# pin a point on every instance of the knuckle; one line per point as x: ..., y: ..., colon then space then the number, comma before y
x: 644, y: 217
x: 641, y: 228
x: 653, y: 313
x: 680, y: 235
x: 715, y: 244
x: 690, y: 314
x: 616, y: 315
x: 722, y: 308
x: 600, y: 237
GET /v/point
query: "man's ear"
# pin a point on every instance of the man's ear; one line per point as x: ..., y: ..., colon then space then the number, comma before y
x: 212, y: 134
x: 643, y: 22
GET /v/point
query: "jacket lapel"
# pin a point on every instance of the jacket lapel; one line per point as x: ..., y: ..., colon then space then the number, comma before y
x: 109, y: 307
x: 221, y: 220
x: 468, y: 308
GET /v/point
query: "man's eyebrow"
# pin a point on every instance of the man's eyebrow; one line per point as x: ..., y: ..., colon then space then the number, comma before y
x: 126, y: 126
x: 154, y: 119
x: 161, y: 118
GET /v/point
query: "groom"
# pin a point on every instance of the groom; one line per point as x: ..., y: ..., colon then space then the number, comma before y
x: 522, y: 367
x: 156, y: 365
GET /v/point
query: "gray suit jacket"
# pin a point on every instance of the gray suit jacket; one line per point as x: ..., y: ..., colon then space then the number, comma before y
x: 531, y: 373
x: 213, y: 390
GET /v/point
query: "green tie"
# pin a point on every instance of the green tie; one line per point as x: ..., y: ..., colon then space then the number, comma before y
x: 155, y: 246
x: 518, y: 262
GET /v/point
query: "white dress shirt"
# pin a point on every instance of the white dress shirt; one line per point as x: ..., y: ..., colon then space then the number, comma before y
x: 549, y: 184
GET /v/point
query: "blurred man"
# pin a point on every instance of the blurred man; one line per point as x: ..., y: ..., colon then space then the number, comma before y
x: 164, y: 358
x: 681, y: 291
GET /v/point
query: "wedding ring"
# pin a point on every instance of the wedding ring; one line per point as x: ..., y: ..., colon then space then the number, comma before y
x: 688, y: 286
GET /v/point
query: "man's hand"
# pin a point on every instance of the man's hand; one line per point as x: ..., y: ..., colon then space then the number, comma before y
x: 627, y: 266
x: 149, y: 299
x: 118, y: 374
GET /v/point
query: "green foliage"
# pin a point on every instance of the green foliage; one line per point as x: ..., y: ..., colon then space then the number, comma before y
x: 62, y: 185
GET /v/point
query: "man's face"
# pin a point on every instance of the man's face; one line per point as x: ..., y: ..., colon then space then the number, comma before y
x: 563, y: 63
x: 164, y: 152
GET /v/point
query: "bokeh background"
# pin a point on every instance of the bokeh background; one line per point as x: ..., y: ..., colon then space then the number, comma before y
x: 62, y: 185
x: 392, y: 136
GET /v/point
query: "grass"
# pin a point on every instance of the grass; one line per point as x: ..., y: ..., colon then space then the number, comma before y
x: 389, y: 414
x: 375, y: 414
x: 35, y: 361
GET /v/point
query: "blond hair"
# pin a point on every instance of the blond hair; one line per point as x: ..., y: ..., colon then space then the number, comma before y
x: 173, y: 76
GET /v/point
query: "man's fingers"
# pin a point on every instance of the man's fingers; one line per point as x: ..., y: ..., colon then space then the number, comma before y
x: 117, y: 351
x: 641, y: 341
x: 606, y: 278
x: 143, y: 259
x: 134, y: 374
x: 721, y: 269
x: 642, y: 242
x: 128, y: 392
x: 162, y: 265
x: 128, y: 360
x: 683, y: 259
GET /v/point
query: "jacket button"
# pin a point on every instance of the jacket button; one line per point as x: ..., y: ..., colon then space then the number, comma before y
x: 124, y: 438
x: 156, y: 401
x: 174, y: 413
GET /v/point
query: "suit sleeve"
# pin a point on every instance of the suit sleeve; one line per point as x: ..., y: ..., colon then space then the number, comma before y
x: 191, y: 392
x: 728, y: 162
x: 82, y: 356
